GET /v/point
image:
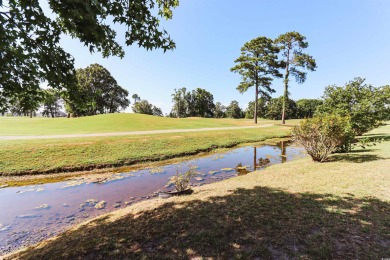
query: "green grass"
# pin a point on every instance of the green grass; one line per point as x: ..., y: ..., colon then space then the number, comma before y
x: 300, y: 209
x: 112, y: 123
x: 76, y: 154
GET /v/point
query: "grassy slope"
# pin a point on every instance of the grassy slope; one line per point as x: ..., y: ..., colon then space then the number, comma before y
x: 301, y: 209
x: 51, y: 155
x: 110, y: 123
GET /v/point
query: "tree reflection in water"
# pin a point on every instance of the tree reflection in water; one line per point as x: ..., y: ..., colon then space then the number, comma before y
x: 282, y: 145
x: 262, y: 162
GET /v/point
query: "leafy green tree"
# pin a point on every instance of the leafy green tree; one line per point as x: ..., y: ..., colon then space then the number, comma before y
x: 136, y: 98
x: 200, y: 103
x: 51, y: 102
x: 25, y: 103
x: 30, y: 49
x: 234, y: 110
x: 292, y: 45
x: 189, y: 101
x: 115, y: 99
x: 274, y: 109
x: 219, y: 111
x: 157, y: 111
x: 383, y: 101
x: 144, y: 107
x: 97, y: 93
x: 257, y: 65
x: 261, y: 108
x: 365, y: 105
x: 4, y: 104
x: 307, y: 107
x: 180, y: 103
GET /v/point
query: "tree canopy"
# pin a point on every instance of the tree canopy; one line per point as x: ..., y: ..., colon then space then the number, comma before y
x: 200, y: 103
x: 180, y: 103
x: 97, y: 92
x: 307, y: 107
x: 30, y: 52
x: 144, y: 107
x: 366, y: 105
x: 219, y: 111
x: 233, y: 110
x: 274, y: 109
x: 51, y: 102
x: 261, y: 108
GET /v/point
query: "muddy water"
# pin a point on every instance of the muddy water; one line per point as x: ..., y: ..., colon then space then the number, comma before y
x: 30, y: 214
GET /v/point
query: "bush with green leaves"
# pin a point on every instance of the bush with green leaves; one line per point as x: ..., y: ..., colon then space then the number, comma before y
x: 323, y: 135
x: 366, y: 105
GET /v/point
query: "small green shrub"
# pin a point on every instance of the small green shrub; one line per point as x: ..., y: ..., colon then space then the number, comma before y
x: 323, y: 135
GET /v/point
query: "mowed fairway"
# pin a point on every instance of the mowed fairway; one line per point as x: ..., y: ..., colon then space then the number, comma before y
x: 109, y: 123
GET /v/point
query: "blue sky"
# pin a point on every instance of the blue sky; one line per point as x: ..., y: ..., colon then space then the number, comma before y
x: 348, y: 38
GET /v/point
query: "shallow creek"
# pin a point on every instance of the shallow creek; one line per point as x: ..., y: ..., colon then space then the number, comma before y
x: 30, y: 214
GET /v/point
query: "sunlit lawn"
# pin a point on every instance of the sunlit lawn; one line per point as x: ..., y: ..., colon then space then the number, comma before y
x: 114, y: 123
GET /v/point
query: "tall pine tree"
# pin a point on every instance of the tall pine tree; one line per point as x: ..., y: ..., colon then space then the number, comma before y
x: 257, y: 66
x: 292, y: 45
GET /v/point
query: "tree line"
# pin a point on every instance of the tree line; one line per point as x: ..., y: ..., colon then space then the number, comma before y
x: 95, y: 92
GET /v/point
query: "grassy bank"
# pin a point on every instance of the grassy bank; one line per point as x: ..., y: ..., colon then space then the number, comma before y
x: 301, y: 209
x: 20, y: 157
x: 112, y: 123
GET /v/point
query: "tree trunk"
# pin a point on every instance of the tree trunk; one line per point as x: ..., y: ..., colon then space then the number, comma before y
x: 285, y: 98
x: 178, y: 109
x: 256, y: 101
x: 257, y: 96
x: 31, y: 113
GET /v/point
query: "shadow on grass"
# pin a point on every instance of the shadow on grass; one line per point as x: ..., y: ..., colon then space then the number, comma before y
x: 248, y: 223
x: 356, y: 158
x: 375, y: 137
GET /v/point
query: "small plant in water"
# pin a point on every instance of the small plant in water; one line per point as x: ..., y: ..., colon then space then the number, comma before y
x: 157, y: 170
x: 182, y: 180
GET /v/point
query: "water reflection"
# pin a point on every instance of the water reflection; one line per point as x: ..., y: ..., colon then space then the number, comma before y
x: 282, y: 145
x: 261, y: 162
x: 242, y: 170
